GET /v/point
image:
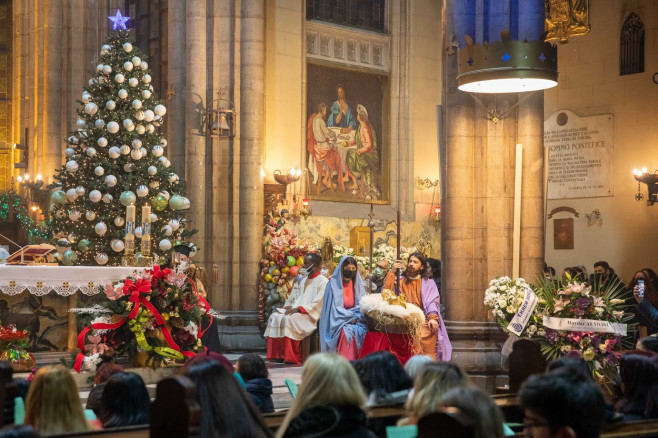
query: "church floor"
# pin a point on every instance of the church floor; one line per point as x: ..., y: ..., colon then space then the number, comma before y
x: 278, y: 373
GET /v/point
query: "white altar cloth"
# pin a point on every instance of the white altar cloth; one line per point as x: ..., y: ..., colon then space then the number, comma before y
x: 63, y: 280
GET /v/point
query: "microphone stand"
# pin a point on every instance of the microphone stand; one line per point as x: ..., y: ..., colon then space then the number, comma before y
x: 22, y: 248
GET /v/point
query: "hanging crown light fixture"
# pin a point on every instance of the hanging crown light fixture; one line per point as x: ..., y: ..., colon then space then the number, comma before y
x: 507, y: 66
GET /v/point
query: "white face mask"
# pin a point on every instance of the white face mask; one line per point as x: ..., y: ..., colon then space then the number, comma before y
x: 324, y: 271
x: 305, y: 271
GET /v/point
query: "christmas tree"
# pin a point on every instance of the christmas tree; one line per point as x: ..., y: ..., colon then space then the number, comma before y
x: 116, y: 165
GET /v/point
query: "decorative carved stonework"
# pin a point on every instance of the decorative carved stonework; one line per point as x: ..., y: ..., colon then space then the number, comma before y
x: 310, y: 42
x: 566, y: 18
x: 351, y: 50
x: 365, y: 53
x: 324, y: 45
x: 338, y: 48
x: 348, y: 46
x: 377, y: 53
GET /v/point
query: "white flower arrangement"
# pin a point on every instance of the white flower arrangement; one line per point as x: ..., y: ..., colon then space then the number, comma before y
x: 504, y: 298
x: 380, y: 252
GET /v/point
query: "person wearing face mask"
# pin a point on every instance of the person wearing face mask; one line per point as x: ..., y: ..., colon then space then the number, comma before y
x: 378, y: 275
x: 298, y: 318
x: 342, y: 327
x: 419, y: 288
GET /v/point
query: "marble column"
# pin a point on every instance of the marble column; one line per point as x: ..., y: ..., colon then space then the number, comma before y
x: 52, y: 140
x: 252, y: 118
x: 195, y: 103
x: 175, y: 102
x: 478, y: 177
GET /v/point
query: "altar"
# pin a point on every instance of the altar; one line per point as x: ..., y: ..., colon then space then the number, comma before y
x: 36, y: 296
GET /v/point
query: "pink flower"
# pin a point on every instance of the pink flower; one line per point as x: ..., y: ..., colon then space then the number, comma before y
x: 559, y: 304
x: 146, y: 274
x: 598, y: 302
x: 113, y: 292
x: 174, y: 279
x: 95, y: 346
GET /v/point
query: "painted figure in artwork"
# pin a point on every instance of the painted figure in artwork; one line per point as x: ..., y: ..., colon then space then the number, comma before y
x: 341, y: 114
x: 363, y: 161
x: 323, y: 161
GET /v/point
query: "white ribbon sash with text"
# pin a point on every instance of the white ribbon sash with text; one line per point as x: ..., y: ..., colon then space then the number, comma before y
x: 520, y: 320
x: 584, y: 325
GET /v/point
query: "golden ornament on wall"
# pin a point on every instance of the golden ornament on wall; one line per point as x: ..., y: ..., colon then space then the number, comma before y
x: 566, y: 18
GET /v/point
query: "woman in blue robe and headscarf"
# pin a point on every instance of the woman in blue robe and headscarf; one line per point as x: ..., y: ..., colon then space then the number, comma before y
x: 342, y: 327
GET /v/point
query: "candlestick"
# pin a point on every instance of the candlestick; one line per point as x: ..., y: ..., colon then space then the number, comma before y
x: 146, y: 231
x: 130, y: 231
x: 397, y: 257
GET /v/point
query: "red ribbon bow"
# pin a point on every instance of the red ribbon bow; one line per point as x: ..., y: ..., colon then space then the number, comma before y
x: 134, y: 290
x: 160, y: 273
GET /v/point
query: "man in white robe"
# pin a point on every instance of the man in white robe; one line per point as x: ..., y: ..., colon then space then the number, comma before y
x: 288, y: 326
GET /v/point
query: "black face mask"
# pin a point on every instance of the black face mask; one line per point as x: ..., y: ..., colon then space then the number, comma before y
x: 350, y: 275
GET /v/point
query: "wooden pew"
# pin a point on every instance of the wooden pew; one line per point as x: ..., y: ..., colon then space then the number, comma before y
x: 629, y: 429
x: 274, y: 420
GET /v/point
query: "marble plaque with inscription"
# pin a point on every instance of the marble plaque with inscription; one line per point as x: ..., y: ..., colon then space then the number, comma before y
x: 580, y: 155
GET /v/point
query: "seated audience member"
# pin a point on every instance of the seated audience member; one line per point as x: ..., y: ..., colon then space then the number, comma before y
x: 562, y: 405
x: 53, y: 404
x: 486, y: 417
x: 648, y: 344
x: 125, y: 401
x: 251, y: 367
x: 329, y: 402
x: 19, y: 432
x: 342, y: 327
x: 298, y: 318
x: 639, y: 378
x: 578, y: 365
x: 653, y: 278
x: 574, y: 274
x: 641, y: 315
x: 415, y: 365
x: 605, y: 275
x: 226, y: 410
x: 646, y: 303
x: 205, y: 356
x: 22, y: 388
x: 104, y: 372
x: 383, y: 378
x: 571, y: 365
x: 434, y: 380
x: 378, y: 275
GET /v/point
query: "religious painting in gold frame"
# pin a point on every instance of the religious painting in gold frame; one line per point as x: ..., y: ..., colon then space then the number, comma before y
x: 346, y: 137
x: 563, y: 233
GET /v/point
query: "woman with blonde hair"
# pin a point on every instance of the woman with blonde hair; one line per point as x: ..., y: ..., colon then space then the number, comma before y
x: 53, y: 405
x: 433, y: 382
x: 329, y: 402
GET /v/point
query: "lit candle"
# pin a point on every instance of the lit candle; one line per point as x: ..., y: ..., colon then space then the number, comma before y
x: 146, y: 231
x: 130, y: 231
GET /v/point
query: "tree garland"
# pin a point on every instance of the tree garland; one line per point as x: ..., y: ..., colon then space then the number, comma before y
x: 9, y: 200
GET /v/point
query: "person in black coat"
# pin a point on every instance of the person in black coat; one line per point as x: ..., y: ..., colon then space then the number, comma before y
x: 258, y: 385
